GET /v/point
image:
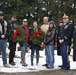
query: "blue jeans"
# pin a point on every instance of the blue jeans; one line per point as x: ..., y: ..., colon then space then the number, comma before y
x: 46, y: 54
x: 3, y: 44
x: 64, y: 55
x: 35, y: 47
x: 12, y: 51
x: 50, y: 55
x: 24, y: 47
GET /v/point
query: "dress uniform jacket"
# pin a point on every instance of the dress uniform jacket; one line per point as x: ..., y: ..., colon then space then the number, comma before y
x: 66, y: 33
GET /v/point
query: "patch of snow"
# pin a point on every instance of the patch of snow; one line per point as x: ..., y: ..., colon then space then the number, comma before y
x: 19, y: 68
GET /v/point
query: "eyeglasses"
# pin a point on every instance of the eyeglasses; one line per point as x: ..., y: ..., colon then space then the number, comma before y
x: 1, y: 14
x: 15, y: 17
x: 24, y: 21
x: 65, y: 18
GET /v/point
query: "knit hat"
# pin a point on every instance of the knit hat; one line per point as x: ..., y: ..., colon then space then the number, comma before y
x: 14, y: 15
x: 1, y: 12
x: 61, y: 21
x: 51, y: 22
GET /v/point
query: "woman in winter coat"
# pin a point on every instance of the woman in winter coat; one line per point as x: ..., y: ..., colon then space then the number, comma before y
x: 49, y: 42
x: 58, y: 44
x: 34, y: 45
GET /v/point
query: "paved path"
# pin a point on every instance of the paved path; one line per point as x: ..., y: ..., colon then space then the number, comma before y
x: 49, y: 72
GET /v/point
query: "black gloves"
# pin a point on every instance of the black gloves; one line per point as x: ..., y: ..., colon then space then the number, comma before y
x: 21, y: 44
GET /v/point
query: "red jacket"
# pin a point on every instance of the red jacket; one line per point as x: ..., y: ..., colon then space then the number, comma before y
x: 27, y: 33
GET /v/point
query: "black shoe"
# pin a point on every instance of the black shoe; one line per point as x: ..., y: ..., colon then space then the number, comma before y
x: 68, y: 68
x: 65, y: 69
x: 45, y: 65
x: 60, y: 65
x: 12, y: 63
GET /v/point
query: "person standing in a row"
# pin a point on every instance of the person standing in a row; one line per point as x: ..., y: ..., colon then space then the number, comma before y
x: 44, y: 28
x: 74, y: 41
x: 34, y: 44
x: 25, y: 43
x: 3, y: 37
x: 49, y: 42
x: 12, y: 44
x: 59, y: 32
x: 64, y: 40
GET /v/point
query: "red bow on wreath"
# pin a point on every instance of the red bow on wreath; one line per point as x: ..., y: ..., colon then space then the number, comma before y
x: 18, y: 32
x: 38, y: 33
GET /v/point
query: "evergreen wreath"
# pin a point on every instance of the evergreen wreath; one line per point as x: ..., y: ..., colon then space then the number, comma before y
x: 19, y: 35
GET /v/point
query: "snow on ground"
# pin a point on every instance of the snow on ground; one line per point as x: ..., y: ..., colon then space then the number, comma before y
x: 19, y: 68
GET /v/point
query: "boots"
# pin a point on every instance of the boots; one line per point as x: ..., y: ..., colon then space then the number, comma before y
x: 32, y: 57
x: 23, y: 60
x: 37, y: 59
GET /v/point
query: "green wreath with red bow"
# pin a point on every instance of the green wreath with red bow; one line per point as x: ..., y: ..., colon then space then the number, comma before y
x: 37, y: 37
x: 19, y: 35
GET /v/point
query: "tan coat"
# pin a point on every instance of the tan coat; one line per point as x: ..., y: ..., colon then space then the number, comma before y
x: 45, y: 27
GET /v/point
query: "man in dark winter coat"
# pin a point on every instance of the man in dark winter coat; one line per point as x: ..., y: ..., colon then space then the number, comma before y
x: 3, y: 37
x: 12, y: 44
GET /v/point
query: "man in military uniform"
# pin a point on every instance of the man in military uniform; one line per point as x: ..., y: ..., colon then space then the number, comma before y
x: 64, y: 40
